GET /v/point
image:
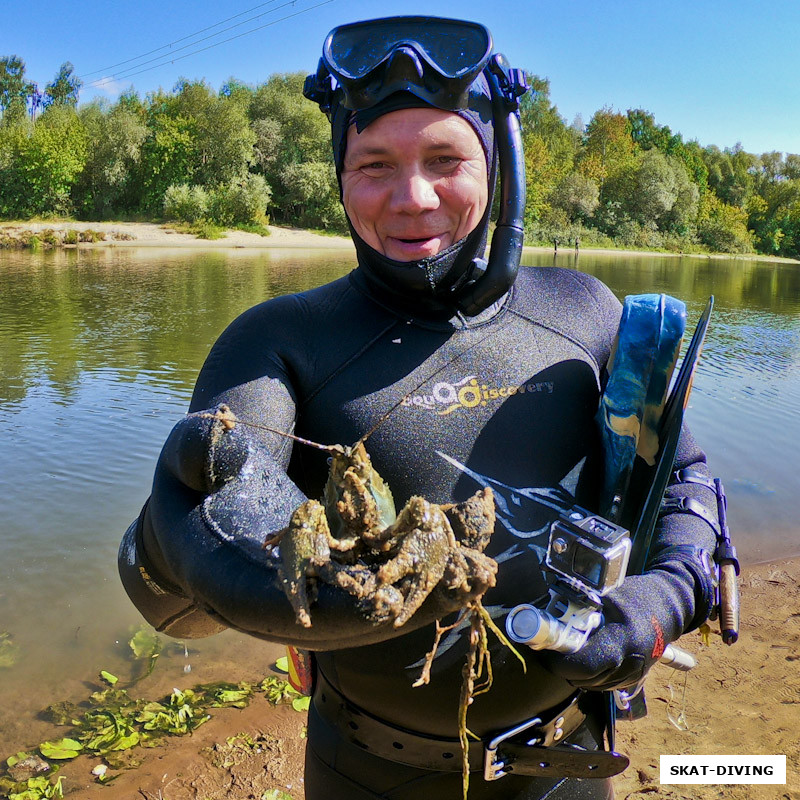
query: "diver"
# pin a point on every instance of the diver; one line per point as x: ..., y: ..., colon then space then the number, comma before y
x: 470, y: 373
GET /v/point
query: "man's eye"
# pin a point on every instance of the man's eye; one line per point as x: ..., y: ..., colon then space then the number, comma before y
x: 447, y: 161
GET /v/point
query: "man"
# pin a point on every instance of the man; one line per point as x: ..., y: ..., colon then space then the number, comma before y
x: 470, y: 377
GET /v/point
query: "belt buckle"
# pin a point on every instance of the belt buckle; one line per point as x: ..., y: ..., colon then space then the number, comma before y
x: 494, y: 769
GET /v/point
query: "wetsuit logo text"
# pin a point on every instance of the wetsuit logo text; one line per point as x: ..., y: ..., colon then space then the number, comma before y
x: 445, y: 397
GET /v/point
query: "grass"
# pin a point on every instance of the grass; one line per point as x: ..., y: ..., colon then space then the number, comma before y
x: 254, y: 227
x: 202, y: 229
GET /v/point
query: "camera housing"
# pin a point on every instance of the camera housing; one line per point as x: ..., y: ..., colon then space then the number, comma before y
x: 588, y: 551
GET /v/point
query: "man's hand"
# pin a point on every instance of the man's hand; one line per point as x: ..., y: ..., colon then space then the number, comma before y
x: 641, y: 618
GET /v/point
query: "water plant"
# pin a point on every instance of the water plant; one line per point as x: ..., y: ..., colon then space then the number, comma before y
x: 110, y: 723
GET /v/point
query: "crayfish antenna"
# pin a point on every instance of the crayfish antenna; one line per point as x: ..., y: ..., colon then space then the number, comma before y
x: 225, y: 415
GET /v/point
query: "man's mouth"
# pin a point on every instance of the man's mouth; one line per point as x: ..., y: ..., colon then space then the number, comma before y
x: 411, y: 248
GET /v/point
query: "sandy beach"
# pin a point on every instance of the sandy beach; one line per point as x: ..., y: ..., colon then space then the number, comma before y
x: 743, y: 699
x: 151, y: 234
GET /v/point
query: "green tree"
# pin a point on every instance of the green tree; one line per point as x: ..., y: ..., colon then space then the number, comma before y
x: 731, y: 173
x: 14, y: 89
x: 222, y: 135
x: 648, y: 135
x: 106, y: 185
x: 169, y: 155
x: 550, y: 147
x: 64, y: 89
x: 577, y: 195
x: 293, y: 152
x: 723, y: 227
x: 42, y: 163
x: 241, y: 201
x: 311, y: 196
x: 607, y: 146
x: 664, y: 194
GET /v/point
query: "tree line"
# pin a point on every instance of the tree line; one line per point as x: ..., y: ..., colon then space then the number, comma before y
x: 245, y: 153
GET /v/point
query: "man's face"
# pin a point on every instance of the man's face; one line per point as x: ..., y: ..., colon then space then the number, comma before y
x: 414, y: 182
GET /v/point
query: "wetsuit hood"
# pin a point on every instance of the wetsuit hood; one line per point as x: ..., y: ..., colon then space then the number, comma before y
x: 428, y: 283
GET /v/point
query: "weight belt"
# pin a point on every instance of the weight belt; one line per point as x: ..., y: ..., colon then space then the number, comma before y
x: 537, y: 747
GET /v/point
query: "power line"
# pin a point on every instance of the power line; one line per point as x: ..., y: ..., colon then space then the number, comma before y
x: 168, y: 57
x: 190, y: 36
x: 129, y: 74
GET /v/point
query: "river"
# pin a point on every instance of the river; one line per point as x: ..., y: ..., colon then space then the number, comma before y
x: 99, y: 350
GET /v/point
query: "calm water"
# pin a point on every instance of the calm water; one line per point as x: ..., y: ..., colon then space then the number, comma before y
x: 98, y: 354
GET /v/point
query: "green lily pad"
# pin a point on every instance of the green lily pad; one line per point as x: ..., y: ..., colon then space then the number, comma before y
x: 145, y: 643
x: 61, y: 750
x: 275, y: 794
x: 39, y: 789
x: 301, y: 703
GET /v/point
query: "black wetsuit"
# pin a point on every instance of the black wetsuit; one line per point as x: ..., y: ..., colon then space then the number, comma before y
x: 505, y: 399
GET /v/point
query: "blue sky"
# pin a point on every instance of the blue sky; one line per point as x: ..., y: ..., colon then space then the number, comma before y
x: 718, y: 72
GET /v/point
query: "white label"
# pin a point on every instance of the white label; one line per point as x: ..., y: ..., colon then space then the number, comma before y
x: 723, y: 769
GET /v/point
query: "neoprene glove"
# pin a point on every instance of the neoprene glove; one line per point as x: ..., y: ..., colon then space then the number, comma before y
x: 194, y: 562
x: 201, y: 456
x: 640, y: 618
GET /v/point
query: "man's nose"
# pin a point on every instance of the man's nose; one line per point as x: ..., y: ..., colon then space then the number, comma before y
x: 414, y: 193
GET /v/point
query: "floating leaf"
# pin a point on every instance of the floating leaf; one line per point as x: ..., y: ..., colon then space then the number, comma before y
x: 108, y: 677
x: 282, y: 664
x: 278, y: 690
x: 111, y: 698
x: 223, y: 695
x: 61, y: 750
x: 21, y: 756
x: 63, y: 713
x: 145, y: 643
x: 301, y: 703
x: 39, y: 789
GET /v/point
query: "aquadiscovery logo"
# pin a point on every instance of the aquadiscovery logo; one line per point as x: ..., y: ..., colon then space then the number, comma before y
x: 469, y: 392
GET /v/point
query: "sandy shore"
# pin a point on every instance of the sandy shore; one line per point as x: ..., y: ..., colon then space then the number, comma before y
x: 150, y: 234
x: 743, y: 699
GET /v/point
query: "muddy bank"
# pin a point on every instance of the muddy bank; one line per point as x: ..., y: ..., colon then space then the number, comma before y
x: 743, y: 699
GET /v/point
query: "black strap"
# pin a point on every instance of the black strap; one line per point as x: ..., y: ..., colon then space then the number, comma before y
x: 565, y: 761
x: 427, y: 752
x: 690, y: 476
x: 688, y: 505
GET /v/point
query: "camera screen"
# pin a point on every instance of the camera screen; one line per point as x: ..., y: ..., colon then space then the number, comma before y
x: 588, y: 565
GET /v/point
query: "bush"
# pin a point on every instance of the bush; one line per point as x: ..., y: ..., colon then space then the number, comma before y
x: 312, y: 196
x: 243, y: 201
x: 186, y: 203
x: 724, y: 228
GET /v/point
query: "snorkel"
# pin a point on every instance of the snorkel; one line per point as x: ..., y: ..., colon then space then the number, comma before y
x: 437, y: 60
